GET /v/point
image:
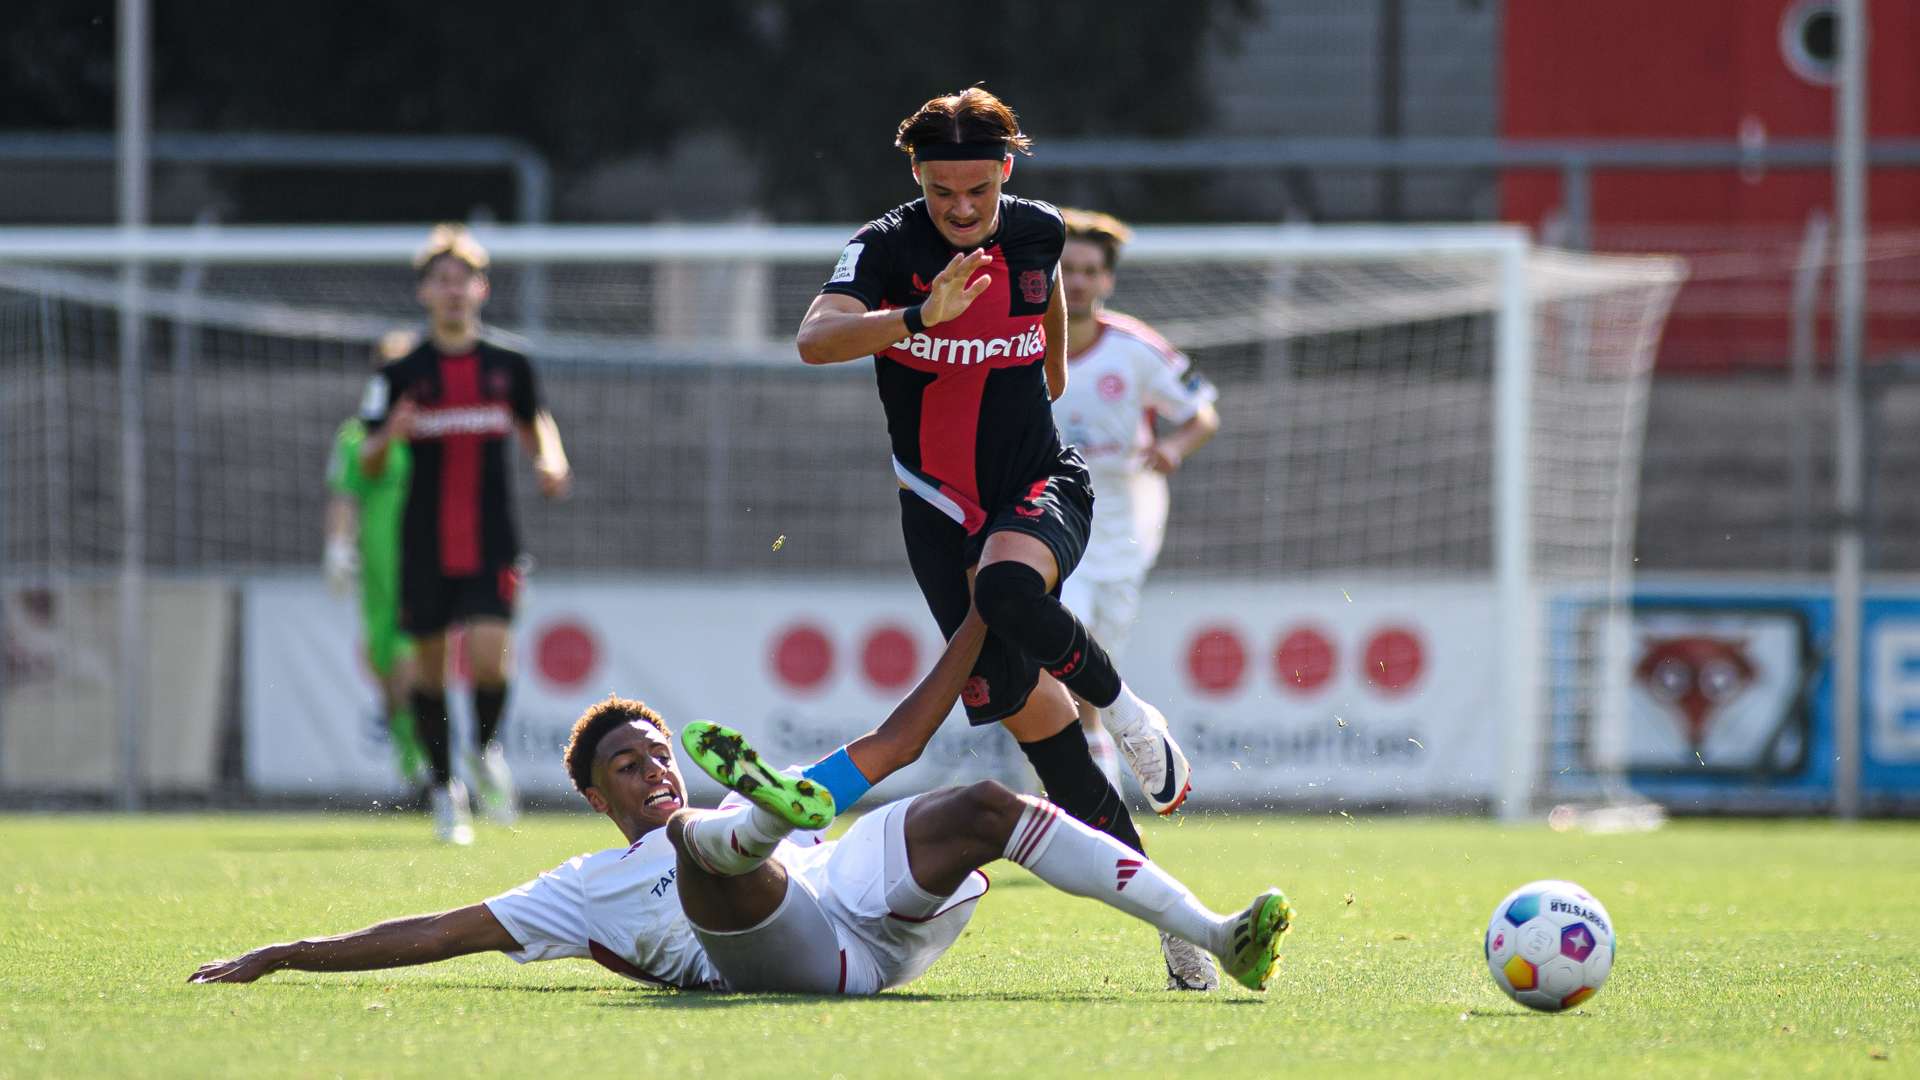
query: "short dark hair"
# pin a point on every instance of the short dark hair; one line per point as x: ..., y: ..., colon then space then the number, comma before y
x: 1104, y: 231
x: 972, y: 115
x: 594, y: 724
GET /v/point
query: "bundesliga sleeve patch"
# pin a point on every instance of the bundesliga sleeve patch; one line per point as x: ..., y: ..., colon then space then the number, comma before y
x: 849, y: 260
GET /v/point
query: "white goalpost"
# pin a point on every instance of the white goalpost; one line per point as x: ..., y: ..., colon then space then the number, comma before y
x: 1403, y: 406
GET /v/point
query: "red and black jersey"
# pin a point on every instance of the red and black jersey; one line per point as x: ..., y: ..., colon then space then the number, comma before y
x: 459, y: 516
x: 966, y: 401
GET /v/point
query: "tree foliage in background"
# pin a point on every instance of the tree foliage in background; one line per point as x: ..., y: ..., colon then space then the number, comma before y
x: 811, y: 90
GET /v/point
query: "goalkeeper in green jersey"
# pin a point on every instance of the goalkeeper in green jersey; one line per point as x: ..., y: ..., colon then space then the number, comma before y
x: 363, y: 538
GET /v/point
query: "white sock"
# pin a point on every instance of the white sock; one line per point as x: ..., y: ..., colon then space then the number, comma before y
x: 1127, y: 715
x: 733, y: 840
x: 1074, y: 859
x: 1105, y: 755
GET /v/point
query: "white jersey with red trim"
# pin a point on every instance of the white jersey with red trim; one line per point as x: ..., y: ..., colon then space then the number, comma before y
x: 1115, y: 389
x: 621, y: 908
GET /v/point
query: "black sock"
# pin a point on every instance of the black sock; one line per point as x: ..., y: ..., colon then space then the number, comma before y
x: 430, y: 720
x: 489, y: 704
x: 1075, y: 784
x: 1013, y: 600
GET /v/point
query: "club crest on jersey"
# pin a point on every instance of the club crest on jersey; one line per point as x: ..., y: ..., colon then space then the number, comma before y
x: 1033, y: 286
x: 498, y: 383
x: 969, y: 351
x: 1112, y: 387
x: 976, y: 692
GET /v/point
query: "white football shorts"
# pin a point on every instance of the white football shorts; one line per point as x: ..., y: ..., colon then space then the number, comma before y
x: 853, y: 921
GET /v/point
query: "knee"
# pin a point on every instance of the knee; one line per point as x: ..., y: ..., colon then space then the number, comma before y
x: 1006, y: 591
x: 490, y: 667
x: 992, y: 810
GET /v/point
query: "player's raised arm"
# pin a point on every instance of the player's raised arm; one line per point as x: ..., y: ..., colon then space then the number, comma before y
x: 418, y: 939
x: 899, y: 740
x: 838, y: 327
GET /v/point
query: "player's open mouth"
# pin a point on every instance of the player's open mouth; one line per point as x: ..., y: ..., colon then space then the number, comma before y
x: 661, y: 797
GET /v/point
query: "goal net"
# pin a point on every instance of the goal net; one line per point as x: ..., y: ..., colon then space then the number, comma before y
x: 1446, y: 420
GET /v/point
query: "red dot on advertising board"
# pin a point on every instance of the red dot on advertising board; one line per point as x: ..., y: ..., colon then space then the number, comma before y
x: 1216, y: 660
x: 802, y: 656
x: 1303, y: 660
x: 565, y: 653
x: 1394, y: 659
x: 889, y: 657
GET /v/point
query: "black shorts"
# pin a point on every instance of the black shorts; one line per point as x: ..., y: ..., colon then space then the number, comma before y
x: 431, y: 602
x: 1058, y: 511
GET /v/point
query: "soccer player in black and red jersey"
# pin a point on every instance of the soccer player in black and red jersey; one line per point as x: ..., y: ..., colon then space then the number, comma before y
x: 456, y: 399
x: 956, y: 296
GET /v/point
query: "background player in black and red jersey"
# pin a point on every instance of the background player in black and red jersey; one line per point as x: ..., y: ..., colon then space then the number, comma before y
x: 956, y: 297
x: 457, y: 399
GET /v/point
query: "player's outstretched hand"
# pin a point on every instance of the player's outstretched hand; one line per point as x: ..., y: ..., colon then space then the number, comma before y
x: 951, y: 292
x: 240, y: 969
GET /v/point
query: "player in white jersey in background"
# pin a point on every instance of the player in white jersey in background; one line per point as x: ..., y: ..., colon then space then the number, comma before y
x: 750, y: 897
x: 1125, y: 378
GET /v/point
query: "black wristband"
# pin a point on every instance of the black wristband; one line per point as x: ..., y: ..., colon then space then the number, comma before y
x: 912, y: 317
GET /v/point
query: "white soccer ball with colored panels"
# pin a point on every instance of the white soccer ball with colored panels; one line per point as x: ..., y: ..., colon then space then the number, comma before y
x: 1550, y: 945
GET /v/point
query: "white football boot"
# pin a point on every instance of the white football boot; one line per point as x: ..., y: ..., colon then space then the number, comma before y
x: 452, y: 821
x: 1152, y: 755
x: 499, y: 799
x: 1189, y: 967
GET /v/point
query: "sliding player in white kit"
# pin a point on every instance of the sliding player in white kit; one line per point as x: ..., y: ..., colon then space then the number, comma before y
x: 1123, y: 377
x: 750, y: 897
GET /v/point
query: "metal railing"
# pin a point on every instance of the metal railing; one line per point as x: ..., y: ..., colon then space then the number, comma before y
x: 1576, y: 160
x: 533, y: 178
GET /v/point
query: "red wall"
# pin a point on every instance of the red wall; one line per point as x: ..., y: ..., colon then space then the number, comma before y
x: 1699, y: 69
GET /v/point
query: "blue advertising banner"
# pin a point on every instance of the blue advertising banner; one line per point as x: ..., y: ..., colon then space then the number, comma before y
x: 1890, y: 700
x: 1730, y: 698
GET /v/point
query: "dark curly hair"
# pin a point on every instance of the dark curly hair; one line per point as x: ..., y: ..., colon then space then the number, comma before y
x: 593, y: 726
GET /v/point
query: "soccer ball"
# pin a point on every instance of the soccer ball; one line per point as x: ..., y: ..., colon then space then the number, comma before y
x: 1549, y: 945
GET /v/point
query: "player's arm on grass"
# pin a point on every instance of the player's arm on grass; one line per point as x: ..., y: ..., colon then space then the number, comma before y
x: 418, y: 939
x: 839, y: 327
x: 1056, y: 325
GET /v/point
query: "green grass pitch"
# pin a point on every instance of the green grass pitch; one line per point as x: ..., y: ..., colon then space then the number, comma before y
x: 1745, y: 948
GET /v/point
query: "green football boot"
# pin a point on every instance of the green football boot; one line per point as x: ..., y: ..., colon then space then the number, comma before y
x: 723, y: 754
x: 1256, y: 939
